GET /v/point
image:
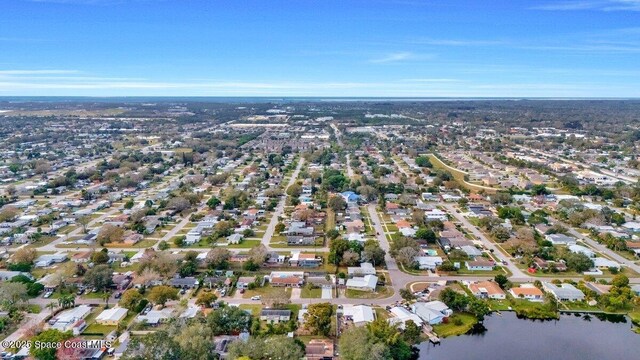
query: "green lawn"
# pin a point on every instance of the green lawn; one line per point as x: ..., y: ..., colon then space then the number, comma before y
x: 308, y: 293
x: 380, y: 293
x: 245, y: 244
x: 457, y: 324
x: 253, y: 308
x: 141, y: 244
x: 45, y: 240
x: 265, y: 291
x: 94, y: 295
x: 381, y: 313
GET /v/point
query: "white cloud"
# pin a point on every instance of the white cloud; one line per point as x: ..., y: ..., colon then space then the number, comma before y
x: 395, y: 57
x: 431, y: 80
x: 600, y: 5
x: 459, y: 42
x: 37, y: 72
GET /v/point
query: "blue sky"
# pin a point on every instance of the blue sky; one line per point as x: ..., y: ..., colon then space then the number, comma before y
x: 581, y: 48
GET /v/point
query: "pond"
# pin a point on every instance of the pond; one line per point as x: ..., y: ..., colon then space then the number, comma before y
x: 574, y: 336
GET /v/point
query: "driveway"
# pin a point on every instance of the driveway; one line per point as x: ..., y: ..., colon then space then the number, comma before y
x: 327, y: 293
x: 295, y: 293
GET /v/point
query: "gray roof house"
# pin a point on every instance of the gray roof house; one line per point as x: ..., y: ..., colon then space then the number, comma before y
x: 275, y: 316
x: 184, y: 283
x: 559, y: 239
x: 563, y: 292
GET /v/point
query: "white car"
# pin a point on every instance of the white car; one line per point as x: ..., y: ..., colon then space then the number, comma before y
x: 48, y: 294
x: 257, y: 297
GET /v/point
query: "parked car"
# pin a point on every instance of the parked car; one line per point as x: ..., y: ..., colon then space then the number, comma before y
x: 257, y: 297
x: 48, y: 294
x: 241, y: 291
x: 118, y: 295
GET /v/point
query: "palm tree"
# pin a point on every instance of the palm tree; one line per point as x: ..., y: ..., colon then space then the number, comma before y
x: 67, y: 301
x: 51, y: 305
x: 106, y: 296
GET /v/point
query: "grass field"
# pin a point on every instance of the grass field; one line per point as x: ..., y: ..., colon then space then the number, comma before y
x: 457, y: 324
x: 265, y: 291
x: 380, y: 293
x: 308, y: 293
x: 458, y: 175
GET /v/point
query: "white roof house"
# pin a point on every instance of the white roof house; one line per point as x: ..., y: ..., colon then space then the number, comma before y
x: 137, y: 256
x: 559, y: 239
x: 49, y: 259
x: 432, y: 312
x: 602, y: 263
x: 190, y: 312
x: 632, y: 225
x: 155, y: 317
x: 579, y: 249
x: 363, y: 269
x: 408, y: 232
x: 402, y: 315
x: 66, y: 319
x: 428, y: 262
x: 359, y: 314
x: 564, y: 292
x: 365, y: 283
x: 111, y: 316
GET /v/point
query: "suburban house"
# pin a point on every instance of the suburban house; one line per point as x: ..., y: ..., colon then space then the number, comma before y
x: 395, y: 209
x: 111, y: 316
x: 300, y: 234
x: 81, y: 257
x: 50, y: 259
x: 480, y: 265
x: 184, y: 283
x: 548, y: 264
x: 603, y: 263
x: 428, y: 262
x: 7, y: 275
x: 71, y: 318
x: 359, y: 315
x: 319, y: 349
x: 354, y: 226
x: 304, y: 259
x: 350, y: 197
x: 559, y: 239
x: 563, y: 292
x: 402, y: 315
x: 121, y: 281
x: 579, y: 249
x: 275, y: 316
x: 435, y: 214
x: 362, y: 270
x: 286, y: 278
x: 471, y: 251
x: 234, y: 239
x: 365, y: 283
x: 244, y: 281
x: 432, y: 312
x: 155, y: 317
x: 486, y: 290
x: 600, y: 289
x: 527, y: 292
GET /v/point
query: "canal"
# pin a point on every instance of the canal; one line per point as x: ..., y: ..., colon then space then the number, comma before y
x: 573, y: 337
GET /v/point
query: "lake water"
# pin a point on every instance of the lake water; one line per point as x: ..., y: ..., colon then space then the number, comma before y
x: 583, y: 337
